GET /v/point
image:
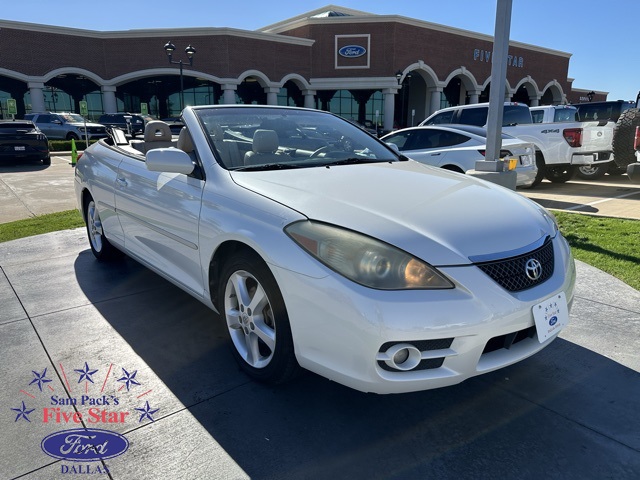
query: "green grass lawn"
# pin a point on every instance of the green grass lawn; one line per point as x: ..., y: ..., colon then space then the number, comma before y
x: 610, y: 244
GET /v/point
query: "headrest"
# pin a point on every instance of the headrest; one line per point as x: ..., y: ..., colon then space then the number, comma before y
x: 157, y: 131
x: 184, y: 141
x: 265, y: 141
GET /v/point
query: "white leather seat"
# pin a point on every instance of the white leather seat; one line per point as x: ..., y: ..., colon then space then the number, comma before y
x: 265, y: 144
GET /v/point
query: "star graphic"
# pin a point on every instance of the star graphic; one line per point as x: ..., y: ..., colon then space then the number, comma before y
x: 128, y: 378
x: 85, y: 374
x: 146, y: 412
x: 40, y: 378
x: 23, y: 412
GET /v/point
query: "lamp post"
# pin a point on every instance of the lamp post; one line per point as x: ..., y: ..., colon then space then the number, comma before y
x: 590, y: 95
x: 401, y: 82
x: 169, y: 48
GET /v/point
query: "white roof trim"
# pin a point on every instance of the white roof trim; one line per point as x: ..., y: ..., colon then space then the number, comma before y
x: 157, y: 32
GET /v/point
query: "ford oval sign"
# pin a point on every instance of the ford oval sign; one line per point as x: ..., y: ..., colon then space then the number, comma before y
x: 352, y: 51
x: 553, y: 320
x: 84, y: 445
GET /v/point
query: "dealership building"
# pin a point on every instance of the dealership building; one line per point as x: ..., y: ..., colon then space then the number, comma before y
x: 387, y: 69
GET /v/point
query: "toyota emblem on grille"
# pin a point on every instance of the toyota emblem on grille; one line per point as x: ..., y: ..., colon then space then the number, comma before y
x: 533, y: 268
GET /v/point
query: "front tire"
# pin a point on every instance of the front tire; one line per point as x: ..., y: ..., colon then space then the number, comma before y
x: 100, y: 246
x: 257, y: 321
x: 72, y: 136
x: 559, y: 174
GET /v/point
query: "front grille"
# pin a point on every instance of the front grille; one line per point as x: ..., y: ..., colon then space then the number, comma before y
x: 511, y: 273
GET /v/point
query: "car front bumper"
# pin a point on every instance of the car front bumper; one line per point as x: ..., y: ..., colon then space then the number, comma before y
x: 341, y: 329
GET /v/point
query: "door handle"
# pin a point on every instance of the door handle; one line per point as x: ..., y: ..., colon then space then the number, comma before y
x: 121, y: 181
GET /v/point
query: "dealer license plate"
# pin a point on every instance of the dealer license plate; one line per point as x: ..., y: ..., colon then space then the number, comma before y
x: 551, y: 316
x: 19, y: 148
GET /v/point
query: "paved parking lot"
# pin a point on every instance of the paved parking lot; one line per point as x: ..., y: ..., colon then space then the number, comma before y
x: 141, y: 358
x: 123, y: 341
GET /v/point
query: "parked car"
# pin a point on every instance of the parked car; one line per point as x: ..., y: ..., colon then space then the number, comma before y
x: 459, y: 147
x: 66, y: 126
x: 133, y: 124
x: 349, y: 260
x: 559, y: 151
x: 22, y: 140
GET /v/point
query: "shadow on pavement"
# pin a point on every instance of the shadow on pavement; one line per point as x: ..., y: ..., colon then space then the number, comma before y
x: 567, y: 412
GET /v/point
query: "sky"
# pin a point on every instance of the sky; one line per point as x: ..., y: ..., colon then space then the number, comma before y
x: 600, y: 35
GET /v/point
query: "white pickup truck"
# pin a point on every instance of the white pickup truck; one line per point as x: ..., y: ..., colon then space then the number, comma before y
x: 560, y: 147
x: 596, y: 142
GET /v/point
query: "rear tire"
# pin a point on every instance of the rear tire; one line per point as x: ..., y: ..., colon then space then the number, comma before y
x: 623, y: 136
x: 559, y: 174
x: 592, y: 172
x: 540, y: 165
x: 47, y: 160
x: 100, y: 246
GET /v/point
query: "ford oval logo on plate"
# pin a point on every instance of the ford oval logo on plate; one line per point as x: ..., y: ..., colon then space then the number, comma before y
x: 553, y: 320
x: 80, y: 445
x: 352, y: 51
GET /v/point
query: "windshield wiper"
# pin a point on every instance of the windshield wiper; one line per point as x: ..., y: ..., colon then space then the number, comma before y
x: 355, y: 161
x: 268, y: 166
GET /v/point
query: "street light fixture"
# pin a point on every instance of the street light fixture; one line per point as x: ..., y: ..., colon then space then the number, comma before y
x: 590, y: 95
x: 169, y: 48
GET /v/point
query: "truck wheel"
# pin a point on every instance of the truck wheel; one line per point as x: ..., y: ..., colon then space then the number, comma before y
x: 623, y: 135
x: 541, y: 169
x: 72, y: 136
x: 559, y: 174
x: 592, y: 172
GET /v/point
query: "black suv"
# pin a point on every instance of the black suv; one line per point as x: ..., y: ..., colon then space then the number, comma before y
x: 131, y: 123
x: 609, y: 111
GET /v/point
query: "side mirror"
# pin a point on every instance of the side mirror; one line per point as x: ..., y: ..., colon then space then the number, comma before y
x: 393, y: 147
x: 169, y: 160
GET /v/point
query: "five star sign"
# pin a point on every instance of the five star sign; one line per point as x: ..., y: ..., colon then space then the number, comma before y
x: 146, y: 412
x: 23, y: 412
x: 40, y: 378
x: 128, y: 378
x: 86, y: 373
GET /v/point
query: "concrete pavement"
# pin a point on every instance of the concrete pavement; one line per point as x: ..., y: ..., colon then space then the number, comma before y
x: 119, y: 339
x: 143, y: 359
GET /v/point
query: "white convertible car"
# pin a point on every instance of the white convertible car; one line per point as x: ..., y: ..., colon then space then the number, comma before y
x: 324, y: 249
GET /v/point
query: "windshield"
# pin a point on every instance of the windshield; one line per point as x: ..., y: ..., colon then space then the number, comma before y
x: 73, y: 118
x: 270, y: 138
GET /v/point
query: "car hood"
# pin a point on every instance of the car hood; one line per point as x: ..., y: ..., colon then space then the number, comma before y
x: 442, y: 217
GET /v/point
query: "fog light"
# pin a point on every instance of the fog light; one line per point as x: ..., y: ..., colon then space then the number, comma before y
x: 403, y: 356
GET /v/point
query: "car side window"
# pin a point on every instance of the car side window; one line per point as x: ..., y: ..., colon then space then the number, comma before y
x: 444, y: 117
x: 401, y: 140
x: 43, y: 119
x: 425, y: 139
x: 537, y: 116
x: 449, y: 139
x: 474, y: 116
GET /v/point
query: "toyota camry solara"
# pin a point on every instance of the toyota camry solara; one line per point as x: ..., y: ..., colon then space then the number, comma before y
x: 323, y: 249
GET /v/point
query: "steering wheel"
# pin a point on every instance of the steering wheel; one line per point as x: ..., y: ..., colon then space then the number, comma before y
x: 324, y: 149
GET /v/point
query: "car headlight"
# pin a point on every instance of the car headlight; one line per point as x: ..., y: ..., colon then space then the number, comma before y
x: 365, y: 260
